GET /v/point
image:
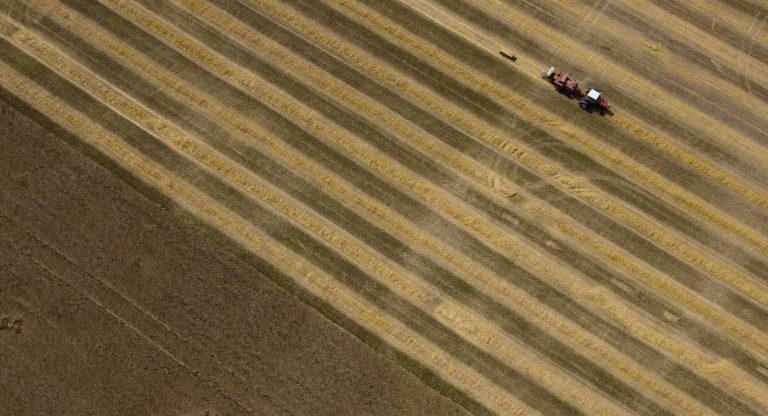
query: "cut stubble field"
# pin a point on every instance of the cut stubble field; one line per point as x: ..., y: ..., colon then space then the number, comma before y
x: 382, y: 167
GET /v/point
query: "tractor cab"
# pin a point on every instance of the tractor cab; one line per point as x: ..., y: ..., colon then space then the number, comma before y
x: 593, y: 100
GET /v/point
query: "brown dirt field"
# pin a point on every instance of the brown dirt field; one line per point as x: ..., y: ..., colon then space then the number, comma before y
x: 114, y: 303
x: 381, y: 162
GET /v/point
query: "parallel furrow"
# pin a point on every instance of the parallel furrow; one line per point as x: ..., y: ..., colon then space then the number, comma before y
x: 389, y: 169
x: 571, y: 202
x: 669, y: 244
x: 619, y: 138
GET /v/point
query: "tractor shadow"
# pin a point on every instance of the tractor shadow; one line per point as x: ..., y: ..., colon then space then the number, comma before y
x: 606, y: 113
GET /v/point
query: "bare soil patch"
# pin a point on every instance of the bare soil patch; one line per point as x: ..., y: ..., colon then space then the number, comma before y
x: 114, y: 303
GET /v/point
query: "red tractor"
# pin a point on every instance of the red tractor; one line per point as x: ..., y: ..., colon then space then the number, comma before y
x: 564, y: 84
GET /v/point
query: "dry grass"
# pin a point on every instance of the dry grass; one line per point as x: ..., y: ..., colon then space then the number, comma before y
x: 575, y: 185
x: 410, y: 286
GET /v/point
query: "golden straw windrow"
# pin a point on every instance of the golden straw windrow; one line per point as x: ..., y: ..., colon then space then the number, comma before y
x: 635, y: 83
x: 618, y: 161
x: 293, y: 137
x: 598, y: 198
x: 690, y: 252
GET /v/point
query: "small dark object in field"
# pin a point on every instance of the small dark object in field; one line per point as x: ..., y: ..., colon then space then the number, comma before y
x: 512, y: 58
x: 11, y: 323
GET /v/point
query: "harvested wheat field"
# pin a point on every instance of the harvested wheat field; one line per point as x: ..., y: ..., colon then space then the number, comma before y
x: 362, y: 207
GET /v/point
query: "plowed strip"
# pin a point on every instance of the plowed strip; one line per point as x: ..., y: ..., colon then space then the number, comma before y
x: 209, y: 210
